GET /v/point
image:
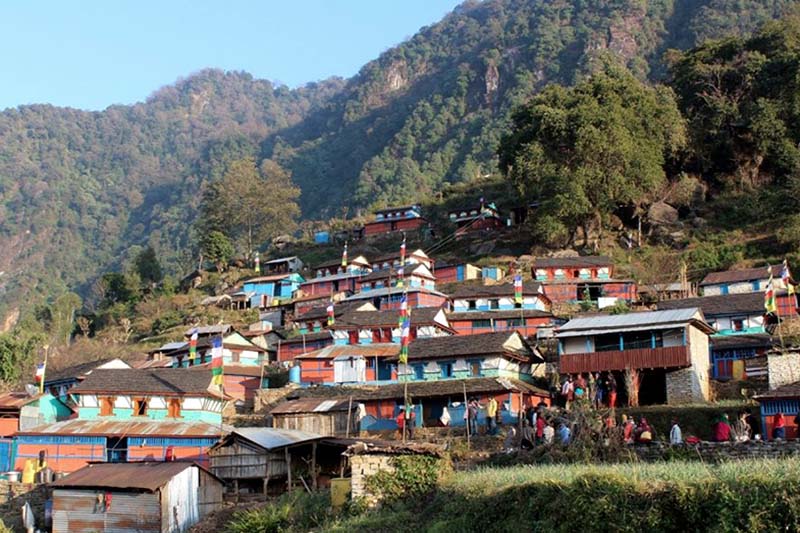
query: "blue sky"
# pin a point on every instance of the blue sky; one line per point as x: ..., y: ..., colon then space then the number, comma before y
x: 90, y: 54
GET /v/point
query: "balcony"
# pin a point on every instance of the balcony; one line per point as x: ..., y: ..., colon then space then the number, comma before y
x: 669, y: 357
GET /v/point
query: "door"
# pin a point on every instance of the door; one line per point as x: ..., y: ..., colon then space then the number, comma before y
x: 5, y: 455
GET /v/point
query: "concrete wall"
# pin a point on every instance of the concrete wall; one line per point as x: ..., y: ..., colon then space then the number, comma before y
x: 783, y: 368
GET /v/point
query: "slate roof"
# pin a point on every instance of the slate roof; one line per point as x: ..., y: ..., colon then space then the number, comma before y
x: 748, y: 303
x: 498, y: 314
x: 468, y: 345
x: 75, y: 371
x: 352, y: 255
x: 220, y: 329
x: 588, y: 261
x: 479, y: 290
x: 792, y: 390
x: 385, y: 291
x: 729, y: 342
x: 309, y: 337
x: 138, y: 476
x: 164, y: 381
x: 401, y: 208
x: 420, y: 316
x: 319, y: 312
x: 409, y: 270
x: 734, y: 276
x: 421, y: 389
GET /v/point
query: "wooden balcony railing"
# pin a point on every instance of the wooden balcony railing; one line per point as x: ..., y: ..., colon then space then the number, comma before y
x: 669, y: 357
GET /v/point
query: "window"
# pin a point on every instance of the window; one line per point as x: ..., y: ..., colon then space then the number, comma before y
x: 174, y: 408
x: 737, y: 324
x: 447, y: 369
x: 475, y: 369
x: 419, y: 372
x: 472, y: 305
x: 515, y: 323
x: 606, y: 343
x: 352, y: 337
x: 494, y: 304
x: 107, y: 406
x: 481, y: 324
x: 642, y: 339
x: 140, y: 407
x: 376, y: 335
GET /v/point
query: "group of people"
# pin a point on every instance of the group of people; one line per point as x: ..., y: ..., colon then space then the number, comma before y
x: 474, y: 407
x: 600, y: 389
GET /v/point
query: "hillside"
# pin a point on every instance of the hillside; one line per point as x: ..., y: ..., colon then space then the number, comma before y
x: 81, y: 191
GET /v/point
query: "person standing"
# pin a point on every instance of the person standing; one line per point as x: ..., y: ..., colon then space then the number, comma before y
x: 779, y: 427
x: 541, y: 425
x: 567, y: 392
x: 564, y: 434
x: 526, y: 443
x: 491, y: 414
x: 472, y: 416
x: 548, y: 433
x: 675, y: 436
x: 600, y: 392
x: 612, y: 390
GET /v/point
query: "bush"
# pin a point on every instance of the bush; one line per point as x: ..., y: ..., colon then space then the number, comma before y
x: 414, y: 475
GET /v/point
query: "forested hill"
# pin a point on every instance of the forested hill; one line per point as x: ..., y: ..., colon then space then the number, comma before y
x: 80, y: 190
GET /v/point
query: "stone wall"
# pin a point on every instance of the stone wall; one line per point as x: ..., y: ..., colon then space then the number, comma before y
x: 14, y: 495
x: 265, y: 399
x: 783, y: 368
x: 718, y: 451
x: 689, y: 385
x: 363, y: 466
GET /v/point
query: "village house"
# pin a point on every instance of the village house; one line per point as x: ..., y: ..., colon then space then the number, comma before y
x: 19, y: 411
x: 131, y: 414
x: 236, y: 348
x: 498, y: 355
x: 740, y: 335
x: 356, y: 265
x: 260, y: 460
x: 455, y: 272
x: 316, y: 319
x: 291, y: 347
x: 486, y: 217
x: 329, y: 418
x: 526, y: 321
x: 392, y: 260
x: 304, y: 304
x: 283, y: 265
x: 414, y: 275
x: 151, y: 497
x: 391, y: 297
x: 348, y: 364
x: 58, y: 382
x: 266, y: 291
x: 576, y: 278
x: 333, y: 284
x: 736, y: 281
x: 406, y: 218
x: 784, y: 400
x: 366, y: 327
x: 669, y: 350
x: 468, y: 297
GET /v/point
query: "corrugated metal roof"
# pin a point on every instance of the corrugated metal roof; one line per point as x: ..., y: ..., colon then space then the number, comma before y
x: 168, y: 347
x: 311, y: 405
x: 271, y: 438
x: 280, y: 260
x: 646, y: 318
x: 131, y: 428
x: 262, y: 279
x: 208, y: 330
x: 15, y: 400
x: 147, y: 476
x: 354, y: 350
x: 368, y: 295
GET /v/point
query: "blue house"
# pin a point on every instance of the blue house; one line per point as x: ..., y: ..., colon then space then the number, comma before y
x: 265, y: 291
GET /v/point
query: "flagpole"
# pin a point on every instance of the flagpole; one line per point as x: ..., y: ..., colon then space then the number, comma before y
x: 44, y: 369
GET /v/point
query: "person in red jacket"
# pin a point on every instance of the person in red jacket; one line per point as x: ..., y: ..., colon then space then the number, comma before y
x: 779, y: 427
x: 722, y: 429
x: 540, y: 424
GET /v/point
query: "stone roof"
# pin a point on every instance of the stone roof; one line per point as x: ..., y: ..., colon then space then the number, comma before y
x: 479, y: 290
x: 588, y: 261
x: 734, y: 276
x: 420, y: 316
x: 470, y: 345
x: 498, y: 314
x: 725, y: 304
x: 165, y: 381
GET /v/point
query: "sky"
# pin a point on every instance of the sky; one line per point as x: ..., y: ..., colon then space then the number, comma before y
x: 89, y: 54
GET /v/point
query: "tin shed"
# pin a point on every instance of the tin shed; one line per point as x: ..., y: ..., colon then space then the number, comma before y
x: 145, y: 497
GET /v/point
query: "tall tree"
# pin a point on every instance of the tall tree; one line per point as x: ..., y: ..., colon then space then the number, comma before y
x: 251, y: 204
x: 217, y: 248
x: 148, y: 266
x: 585, y: 151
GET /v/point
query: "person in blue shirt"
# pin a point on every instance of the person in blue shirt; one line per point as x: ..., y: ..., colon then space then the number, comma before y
x: 564, y: 434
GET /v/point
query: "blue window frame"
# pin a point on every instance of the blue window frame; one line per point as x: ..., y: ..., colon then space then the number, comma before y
x: 447, y: 369
x: 419, y: 372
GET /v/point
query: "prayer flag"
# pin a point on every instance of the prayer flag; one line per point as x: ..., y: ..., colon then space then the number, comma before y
x: 39, y: 373
x: 331, y: 314
x: 258, y: 264
x: 405, y: 330
x: 518, y: 289
x: 193, y: 345
x: 786, y: 277
x: 344, y: 256
x: 769, y: 295
x: 403, y: 252
x: 216, y: 361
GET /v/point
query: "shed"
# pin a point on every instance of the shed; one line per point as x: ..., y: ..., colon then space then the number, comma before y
x: 252, y: 457
x: 327, y: 417
x: 157, y: 497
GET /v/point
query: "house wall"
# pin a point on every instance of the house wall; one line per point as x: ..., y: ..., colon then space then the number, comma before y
x: 316, y: 370
x: 385, y: 226
x: 751, y: 324
x: 64, y: 453
x: 553, y: 273
x: 505, y: 303
x: 472, y: 327
x: 193, y: 409
x: 453, y: 273
x: 155, y: 448
x: 331, y: 424
x: 739, y: 287
x: 499, y: 367
x: 783, y: 368
x: 691, y: 384
x: 288, y: 351
x: 77, y: 510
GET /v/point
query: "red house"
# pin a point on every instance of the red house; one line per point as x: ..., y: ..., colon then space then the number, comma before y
x: 349, y: 364
x: 390, y: 297
x: 485, y: 217
x: 592, y: 267
x: 406, y: 218
x: 306, y: 342
x: 526, y: 321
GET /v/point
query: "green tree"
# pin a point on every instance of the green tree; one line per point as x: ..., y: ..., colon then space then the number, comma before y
x: 148, y: 266
x: 251, y: 204
x: 585, y: 151
x: 217, y: 248
x: 119, y: 289
x: 17, y: 349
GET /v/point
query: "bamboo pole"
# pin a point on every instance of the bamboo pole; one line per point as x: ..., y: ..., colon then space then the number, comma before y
x: 466, y: 413
x: 349, y: 416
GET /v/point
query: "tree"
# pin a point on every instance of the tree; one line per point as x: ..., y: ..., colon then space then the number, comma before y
x: 119, y: 289
x: 251, y: 204
x: 586, y: 151
x: 217, y: 248
x: 148, y: 267
x: 17, y: 349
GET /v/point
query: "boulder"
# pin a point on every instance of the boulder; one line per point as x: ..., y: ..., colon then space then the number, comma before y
x: 661, y: 213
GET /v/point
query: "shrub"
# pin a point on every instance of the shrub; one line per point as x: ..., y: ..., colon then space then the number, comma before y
x: 414, y: 475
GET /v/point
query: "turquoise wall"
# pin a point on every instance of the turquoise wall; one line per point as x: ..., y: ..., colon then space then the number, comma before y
x: 93, y: 413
